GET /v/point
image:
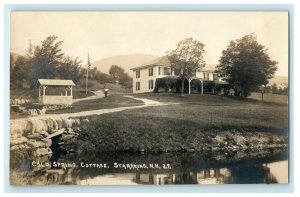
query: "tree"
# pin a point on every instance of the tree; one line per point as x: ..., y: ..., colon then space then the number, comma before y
x: 187, y: 58
x: 246, y: 65
x: 69, y: 68
x: 43, y: 61
x: 274, y: 88
x: 116, y: 72
x: 125, y: 80
x: 12, y: 69
x: 23, y: 72
x: 48, y: 57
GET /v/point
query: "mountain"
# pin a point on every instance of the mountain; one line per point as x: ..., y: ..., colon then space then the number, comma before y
x: 125, y: 61
x: 280, y: 81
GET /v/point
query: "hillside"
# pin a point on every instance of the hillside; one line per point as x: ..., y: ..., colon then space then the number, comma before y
x: 125, y: 61
x: 279, y: 80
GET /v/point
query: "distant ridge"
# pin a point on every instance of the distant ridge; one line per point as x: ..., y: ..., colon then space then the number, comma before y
x: 279, y: 80
x: 125, y: 61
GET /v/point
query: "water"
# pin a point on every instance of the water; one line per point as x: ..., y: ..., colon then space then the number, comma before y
x: 268, y: 166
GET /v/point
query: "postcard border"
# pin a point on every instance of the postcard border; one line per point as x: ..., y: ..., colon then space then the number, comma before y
x: 253, y: 188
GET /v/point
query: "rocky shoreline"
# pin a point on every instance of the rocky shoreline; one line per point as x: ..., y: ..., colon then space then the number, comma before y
x: 37, y: 137
x: 70, y: 138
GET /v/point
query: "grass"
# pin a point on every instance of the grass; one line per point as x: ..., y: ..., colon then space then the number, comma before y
x: 269, y: 97
x: 206, y: 115
x: 191, y: 124
x: 112, y: 101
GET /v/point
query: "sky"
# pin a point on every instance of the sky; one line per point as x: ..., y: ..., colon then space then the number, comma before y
x: 106, y: 34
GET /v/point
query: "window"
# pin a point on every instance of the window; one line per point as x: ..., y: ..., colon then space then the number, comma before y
x: 137, y: 74
x: 215, y: 77
x: 204, y: 76
x: 167, y: 71
x: 150, y: 84
x: 137, y: 86
x: 158, y: 70
x: 207, y: 77
x: 151, y: 71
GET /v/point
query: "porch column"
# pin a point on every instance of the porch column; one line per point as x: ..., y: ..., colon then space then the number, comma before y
x: 44, y: 90
x: 202, y: 86
x: 39, y: 91
x: 66, y: 89
x: 190, y: 86
x: 71, y: 91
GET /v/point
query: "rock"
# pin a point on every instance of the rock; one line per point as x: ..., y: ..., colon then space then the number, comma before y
x: 67, y: 137
x: 14, y: 148
x: 70, y: 131
x: 48, y: 142
x: 41, y: 151
x: 59, y: 124
x: 71, y: 141
x: 59, y: 132
x: 35, y: 136
x: 17, y: 141
x: 14, y: 136
x: 36, y: 144
x: 44, y: 133
x: 85, y: 120
x: 67, y: 123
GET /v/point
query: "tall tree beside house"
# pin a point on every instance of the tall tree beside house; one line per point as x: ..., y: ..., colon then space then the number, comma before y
x: 246, y: 65
x: 187, y: 58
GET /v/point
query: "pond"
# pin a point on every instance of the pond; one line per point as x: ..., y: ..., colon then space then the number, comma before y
x: 265, y: 166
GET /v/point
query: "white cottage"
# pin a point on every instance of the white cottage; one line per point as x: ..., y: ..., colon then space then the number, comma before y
x: 144, y: 76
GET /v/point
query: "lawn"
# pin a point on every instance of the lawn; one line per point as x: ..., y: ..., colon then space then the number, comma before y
x: 112, y: 101
x: 269, y: 97
x: 214, y: 111
x: 193, y: 121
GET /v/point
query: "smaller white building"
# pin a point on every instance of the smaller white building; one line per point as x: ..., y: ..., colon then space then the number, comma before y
x: 64, y: 97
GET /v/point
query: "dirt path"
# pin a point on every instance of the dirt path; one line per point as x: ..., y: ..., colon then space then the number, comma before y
x: 98, y: 94
x: 147, y: 103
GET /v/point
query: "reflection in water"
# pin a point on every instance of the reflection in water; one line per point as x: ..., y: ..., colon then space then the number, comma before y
x: 186, y: 168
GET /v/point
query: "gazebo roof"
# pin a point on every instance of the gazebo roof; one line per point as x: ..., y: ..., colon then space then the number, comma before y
x: 56, y: 82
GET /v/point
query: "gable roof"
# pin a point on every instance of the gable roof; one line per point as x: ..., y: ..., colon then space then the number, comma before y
x: 56, y: 82
x: 161, y: 61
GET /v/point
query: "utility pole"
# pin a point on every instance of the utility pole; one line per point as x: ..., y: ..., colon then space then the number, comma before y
x: 87, y: 74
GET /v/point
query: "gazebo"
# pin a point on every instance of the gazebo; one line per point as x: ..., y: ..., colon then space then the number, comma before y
x: 65, y: 98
